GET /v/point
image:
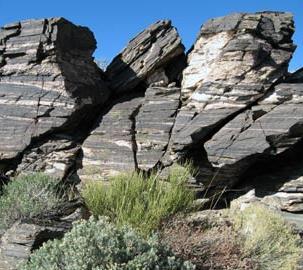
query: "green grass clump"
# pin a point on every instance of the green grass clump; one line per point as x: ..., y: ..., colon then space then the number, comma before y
x: 26, y: 196
x: 267, y: 239
x: 98, y: 244
x: 141, y: 202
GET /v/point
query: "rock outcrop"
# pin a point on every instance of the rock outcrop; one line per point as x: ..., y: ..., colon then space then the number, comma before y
x: 231, y: 108
x: 134, y: 132
x: 234, y: 64
x: 49, y: 84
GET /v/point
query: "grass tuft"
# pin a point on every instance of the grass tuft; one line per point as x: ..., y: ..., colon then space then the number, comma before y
x: 267, y: 238
x: 140, y: 202
x: 26, y: 196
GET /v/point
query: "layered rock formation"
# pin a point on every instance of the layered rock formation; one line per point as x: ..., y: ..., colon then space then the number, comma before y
x: 234, y: 62
x: 231, y: 108
x: 49, y: 84
x: 135, y: 131
x: 156, y: 54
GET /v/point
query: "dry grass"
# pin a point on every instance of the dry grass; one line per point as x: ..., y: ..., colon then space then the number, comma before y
x: 267, y: 238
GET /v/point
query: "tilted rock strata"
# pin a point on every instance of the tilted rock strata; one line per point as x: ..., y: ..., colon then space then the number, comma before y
x: 135, y: 132
x: 133, y: 135
x: 110, y: 149
x: 157, y: 49
x: 48, y: 81
x: 155, y: 121
x: 233, y: 63
x: 237, y: 104
x: 269, y: 128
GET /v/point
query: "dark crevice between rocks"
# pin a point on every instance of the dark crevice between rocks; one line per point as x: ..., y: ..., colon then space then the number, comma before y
x: 161, y: 164
x: 132, y: 118
x: 268, y: 173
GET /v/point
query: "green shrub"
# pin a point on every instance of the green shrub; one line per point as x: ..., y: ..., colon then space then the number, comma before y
x: 27, y: 196
x: 138, y: 201
x: 97, y: 244
x: 267, y: 238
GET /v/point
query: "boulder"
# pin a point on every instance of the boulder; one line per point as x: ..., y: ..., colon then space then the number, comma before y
x: 49, y: 83
x: 233, y: 110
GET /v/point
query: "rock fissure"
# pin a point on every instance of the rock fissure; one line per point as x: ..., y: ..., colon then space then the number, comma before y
x: 132, y: 118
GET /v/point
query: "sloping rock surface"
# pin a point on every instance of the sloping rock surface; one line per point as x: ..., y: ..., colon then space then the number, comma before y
x: 134, y: 132
x: 48, y: 81
x: 156, y: 49
x: 233, y: 63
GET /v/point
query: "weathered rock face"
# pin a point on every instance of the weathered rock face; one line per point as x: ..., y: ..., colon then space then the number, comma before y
x: 235, y: 105
x: 133, y: 135
x: 233, y: 63
x: 134, y: 132
x: 267, y: 129
x: 48, y: 82
x: 156, y: 54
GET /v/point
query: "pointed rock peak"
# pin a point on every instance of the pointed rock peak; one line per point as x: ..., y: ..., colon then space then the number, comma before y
x: 158, y: 46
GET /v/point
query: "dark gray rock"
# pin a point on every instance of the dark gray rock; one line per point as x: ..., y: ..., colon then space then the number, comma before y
x: 25, y: 236
x: 268, y: 129
x: 110, y: 148
x: 154, y: 123
x: 49, y: 83
x: 134, y: 134
x: 158, y: 46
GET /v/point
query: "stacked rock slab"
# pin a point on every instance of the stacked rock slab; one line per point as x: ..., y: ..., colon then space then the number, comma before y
x: 267, y: 129
x: 48, y: 83
x: 135, y: 131
x: 156, y: 54
x: 234, y: 63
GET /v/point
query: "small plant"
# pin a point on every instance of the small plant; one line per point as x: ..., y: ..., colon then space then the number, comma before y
x: 138, y: 201
x: 27, y: 196
x: 97, y: 244
x: 267, y: 238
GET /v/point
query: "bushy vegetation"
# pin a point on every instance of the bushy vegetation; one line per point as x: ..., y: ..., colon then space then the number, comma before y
x: 141, y: 202
x: 97, y: 244
x: 27, y: 196
x: 267, y: 238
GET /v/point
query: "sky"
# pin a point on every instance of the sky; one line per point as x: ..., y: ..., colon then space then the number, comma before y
x: 115, y: 22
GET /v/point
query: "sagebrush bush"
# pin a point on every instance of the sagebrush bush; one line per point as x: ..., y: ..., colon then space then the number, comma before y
x: 141, y: 202
x: 98, y: 244
x: 267, y: 238
x: 26, y: 196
